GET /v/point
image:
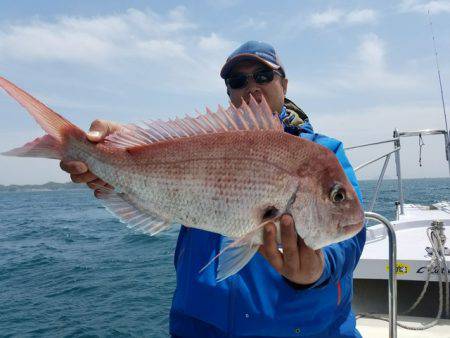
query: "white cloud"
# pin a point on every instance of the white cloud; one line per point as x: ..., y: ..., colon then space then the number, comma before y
x: 338, y: 16
x: 152, y: 45
x: 372, y: 52
x: 255, y: 24
x: 213, y: 42
x: 434, y: 7
x: 377, y: 123
x: 310, y: 89
x: 222, y: 4
x: 369, y: 69
x: 38, y: 42
x: 361, y: 16
x: 326, y: 18
x: 366, y: 70
x: 97, y: 40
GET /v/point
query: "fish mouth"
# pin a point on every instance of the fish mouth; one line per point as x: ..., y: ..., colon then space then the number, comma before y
x: 352, y: 228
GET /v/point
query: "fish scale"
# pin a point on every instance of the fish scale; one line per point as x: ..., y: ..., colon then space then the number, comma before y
x: 229, y: 172
x: 245, y: 184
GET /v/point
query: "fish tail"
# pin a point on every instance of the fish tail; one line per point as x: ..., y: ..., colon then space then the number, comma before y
x: 56, y: 126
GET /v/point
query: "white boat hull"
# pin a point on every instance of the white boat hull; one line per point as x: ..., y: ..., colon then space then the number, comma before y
x: 412, y: 242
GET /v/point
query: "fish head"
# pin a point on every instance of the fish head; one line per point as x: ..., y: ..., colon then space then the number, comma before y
x: 326, y: 208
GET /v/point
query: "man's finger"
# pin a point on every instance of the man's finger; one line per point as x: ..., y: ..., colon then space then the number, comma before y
x: 83, y: 178
x: 98, y: 194
x: 307, y: 254
x: 98, y: 131
x: 73, y: 167
x: 96, y: 183
x: 290, y: 245
x: 311, y: 262
x: 270, y: 247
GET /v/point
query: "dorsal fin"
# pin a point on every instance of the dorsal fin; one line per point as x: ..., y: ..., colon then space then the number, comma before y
x: 248, y: 117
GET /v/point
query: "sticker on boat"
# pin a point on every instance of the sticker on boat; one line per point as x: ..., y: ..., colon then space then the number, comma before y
x: 401, y: 269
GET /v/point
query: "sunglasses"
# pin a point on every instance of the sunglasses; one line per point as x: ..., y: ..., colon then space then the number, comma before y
x: 239, y: 81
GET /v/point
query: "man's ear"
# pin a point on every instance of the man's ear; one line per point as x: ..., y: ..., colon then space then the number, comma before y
x: 284, y: 84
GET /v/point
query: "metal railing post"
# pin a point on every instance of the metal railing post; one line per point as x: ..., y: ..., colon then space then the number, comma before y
x: 392, y: 271
x: 380, y: 179
x: 399, y: 171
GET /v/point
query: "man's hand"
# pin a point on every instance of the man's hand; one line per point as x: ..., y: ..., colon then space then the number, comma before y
x: 79, y: 172
x: 298, y: 263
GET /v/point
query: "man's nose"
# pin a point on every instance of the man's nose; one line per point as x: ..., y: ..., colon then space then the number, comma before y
x: 253, y: 87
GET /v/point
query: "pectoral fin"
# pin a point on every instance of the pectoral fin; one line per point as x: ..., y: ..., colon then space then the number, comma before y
x: 234, y: 259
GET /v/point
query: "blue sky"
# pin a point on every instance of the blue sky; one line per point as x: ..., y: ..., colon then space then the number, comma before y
x: 359, y: 69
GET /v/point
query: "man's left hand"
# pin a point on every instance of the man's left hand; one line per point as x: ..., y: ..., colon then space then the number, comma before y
x: 298, y: 263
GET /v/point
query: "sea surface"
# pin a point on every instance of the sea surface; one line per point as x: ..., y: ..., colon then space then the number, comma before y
x: 69, y: 269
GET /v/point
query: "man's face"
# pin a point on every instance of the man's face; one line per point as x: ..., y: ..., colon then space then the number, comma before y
x: 273, y: 91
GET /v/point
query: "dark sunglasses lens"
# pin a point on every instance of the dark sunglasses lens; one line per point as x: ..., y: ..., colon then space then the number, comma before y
x: 238, y: 81
x: 264, y: 76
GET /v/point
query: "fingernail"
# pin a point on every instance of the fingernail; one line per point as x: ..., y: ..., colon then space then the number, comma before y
x: 286, y: 219
x: 80, y: 167
x: 94, y: 133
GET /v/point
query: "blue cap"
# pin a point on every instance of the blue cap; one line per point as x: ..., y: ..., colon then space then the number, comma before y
x: 252, y: 50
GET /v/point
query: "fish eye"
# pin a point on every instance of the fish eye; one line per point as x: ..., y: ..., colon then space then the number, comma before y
x: 337, y: 194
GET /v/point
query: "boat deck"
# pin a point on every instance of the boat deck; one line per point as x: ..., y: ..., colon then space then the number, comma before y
x: 374, y: 328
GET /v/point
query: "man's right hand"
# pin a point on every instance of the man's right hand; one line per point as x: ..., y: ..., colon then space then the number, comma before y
x: 79, y: 171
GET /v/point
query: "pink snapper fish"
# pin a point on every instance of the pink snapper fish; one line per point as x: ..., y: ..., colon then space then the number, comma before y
x: 229, y: 172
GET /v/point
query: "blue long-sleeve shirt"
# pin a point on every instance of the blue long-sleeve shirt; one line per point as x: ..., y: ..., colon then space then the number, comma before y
x: 258, y: 301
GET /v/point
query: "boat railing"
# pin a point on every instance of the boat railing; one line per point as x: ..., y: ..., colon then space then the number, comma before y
x: 392, y: 281
x: 397, y: 135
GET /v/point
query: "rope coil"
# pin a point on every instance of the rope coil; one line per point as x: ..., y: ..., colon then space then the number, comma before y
x: 437, y: 238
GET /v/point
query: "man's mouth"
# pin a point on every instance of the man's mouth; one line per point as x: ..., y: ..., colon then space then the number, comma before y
x: 256, y: 96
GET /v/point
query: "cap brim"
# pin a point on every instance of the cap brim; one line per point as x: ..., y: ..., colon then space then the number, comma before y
x: 228, y: 66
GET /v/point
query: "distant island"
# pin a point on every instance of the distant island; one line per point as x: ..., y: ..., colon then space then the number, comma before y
x: 50, y: 186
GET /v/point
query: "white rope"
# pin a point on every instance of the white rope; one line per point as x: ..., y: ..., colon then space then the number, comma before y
x: 438, y: 264
x: 441, y: 241
x: 430, y: 268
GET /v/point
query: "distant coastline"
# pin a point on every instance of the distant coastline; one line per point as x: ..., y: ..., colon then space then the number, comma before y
x: 49, y: 186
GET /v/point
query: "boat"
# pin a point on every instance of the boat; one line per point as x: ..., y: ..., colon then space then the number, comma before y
x: 401, y: 282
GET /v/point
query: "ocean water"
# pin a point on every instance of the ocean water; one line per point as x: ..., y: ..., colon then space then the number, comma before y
x: 69, y: 269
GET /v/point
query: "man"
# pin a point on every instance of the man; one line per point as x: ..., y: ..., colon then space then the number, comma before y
x: 298, y: 292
